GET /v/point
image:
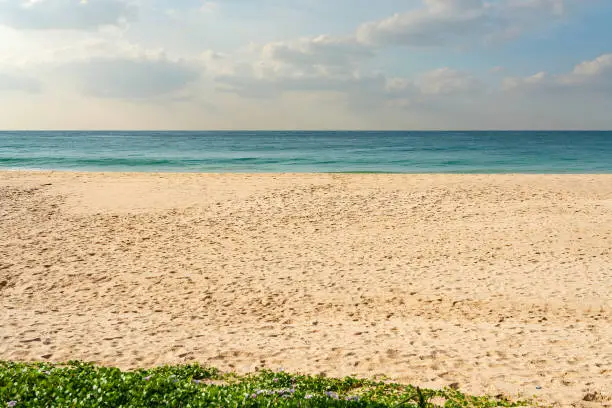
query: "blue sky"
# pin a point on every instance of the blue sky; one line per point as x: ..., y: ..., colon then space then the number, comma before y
x: 305, y: 64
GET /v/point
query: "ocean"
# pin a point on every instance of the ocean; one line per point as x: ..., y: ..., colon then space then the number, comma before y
x: 306, y: 151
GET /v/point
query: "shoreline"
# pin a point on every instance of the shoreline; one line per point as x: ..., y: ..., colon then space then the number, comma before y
x: 304, y: 173
x: 498, y: 282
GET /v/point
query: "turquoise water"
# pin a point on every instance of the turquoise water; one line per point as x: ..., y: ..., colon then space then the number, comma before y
x: 259, y: 151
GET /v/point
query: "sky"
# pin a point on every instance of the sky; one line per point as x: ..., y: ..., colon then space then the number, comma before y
x: 305, y: 64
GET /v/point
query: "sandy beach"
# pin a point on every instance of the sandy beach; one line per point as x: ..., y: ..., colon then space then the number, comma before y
x: 500, y: 284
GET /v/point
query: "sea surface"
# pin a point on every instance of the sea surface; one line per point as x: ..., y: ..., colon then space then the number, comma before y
x: 304, y: 151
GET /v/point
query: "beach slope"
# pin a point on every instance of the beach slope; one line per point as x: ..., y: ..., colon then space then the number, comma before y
x: 495, y: 283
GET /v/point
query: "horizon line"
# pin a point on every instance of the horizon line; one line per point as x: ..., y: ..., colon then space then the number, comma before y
x: 304, y: 130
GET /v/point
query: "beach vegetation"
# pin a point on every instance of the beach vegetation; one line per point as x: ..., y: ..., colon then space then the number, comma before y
x: 79, y: 384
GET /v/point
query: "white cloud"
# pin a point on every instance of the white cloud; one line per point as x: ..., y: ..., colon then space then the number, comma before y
x: 535, y: 80
x: 259, y: 87
x: 318, y: 53
x: 447, y: 81
x: 64, y: 14
x: 135, y: 78
x: 597, y: 70
x: 458, y: 22
x: 593, y: 76
x: 325, y: 65
x: 18, y: 82
x: 320, y: 63
x: 110, y: 46
x: 99, y: 64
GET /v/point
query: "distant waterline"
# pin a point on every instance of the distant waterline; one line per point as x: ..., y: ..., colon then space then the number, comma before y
x: 351, y: 152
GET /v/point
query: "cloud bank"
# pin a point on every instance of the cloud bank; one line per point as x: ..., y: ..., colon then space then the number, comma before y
x: 434, y: 64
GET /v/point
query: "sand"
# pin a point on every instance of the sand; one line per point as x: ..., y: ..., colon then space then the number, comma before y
x: 499, y: 283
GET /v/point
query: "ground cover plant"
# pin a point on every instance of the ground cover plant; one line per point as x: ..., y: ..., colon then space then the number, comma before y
x: 78, y: 384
